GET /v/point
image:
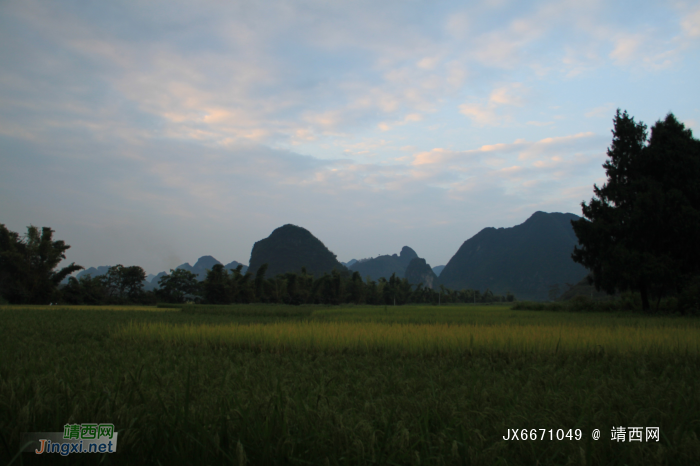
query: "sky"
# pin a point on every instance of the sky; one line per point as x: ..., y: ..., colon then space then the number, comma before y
x: 153, y: 133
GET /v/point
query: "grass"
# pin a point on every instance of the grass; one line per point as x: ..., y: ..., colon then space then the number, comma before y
x: 64, y: 308
x: 350, y: 385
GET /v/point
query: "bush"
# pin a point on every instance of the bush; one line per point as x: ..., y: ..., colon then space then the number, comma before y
x: 688, y: 301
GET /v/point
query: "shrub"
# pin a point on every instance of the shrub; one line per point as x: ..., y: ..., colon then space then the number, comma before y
x: 689, y: 300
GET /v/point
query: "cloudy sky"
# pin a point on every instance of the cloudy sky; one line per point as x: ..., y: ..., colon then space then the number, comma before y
x: 152, y: 133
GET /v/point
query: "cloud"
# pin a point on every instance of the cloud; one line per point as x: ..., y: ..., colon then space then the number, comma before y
x: 433, y: 156
x: 655, y: 46
x: 627, y: 47
x: 221, y: 121
x: 691, y: 23
x: 508, y: 95
x: 520, y: 149
x: 492, y: 113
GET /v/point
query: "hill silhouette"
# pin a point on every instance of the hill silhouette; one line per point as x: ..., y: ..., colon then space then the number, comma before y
x: 92, y: 271
x: 419, y: 272
x: 200, y: 268
x: 384, y: 266
x: 288, y: 249
x: 527, y: 259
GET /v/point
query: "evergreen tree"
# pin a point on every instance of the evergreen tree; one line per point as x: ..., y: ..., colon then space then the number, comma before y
x: 640, y: 230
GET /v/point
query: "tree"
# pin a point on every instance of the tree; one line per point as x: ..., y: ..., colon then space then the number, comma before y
x: 216, y: 286
x: 123, y: 282
x: 132, y: 281
x: 86, y: 290
x: 640, y: 230
x: 259, y: 280
x: 27, y: 265
x: 175, y: 286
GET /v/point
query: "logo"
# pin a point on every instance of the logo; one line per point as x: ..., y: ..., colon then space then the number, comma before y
x: 75, y: 438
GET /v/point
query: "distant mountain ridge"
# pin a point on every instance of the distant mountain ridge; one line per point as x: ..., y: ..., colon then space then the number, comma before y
x: 529, y: 260
x: 288, y: 249
x: 386, y: 265
x: 526, y: 259
x: 419, y: 272
x: 205, y: 263
x: 93, y: 271
x: 200, y: 268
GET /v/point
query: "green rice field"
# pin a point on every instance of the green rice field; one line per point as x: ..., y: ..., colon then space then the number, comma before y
x: 351, y: 385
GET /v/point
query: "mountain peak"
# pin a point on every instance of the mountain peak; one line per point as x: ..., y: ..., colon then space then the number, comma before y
x: 385, y: 265
x: 525, y: 259
x: 408, y: 254
x: 206, y: 262
x: 290, y: 229
x: 288, y: 249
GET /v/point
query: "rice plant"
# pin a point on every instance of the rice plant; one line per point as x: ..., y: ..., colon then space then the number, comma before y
x: 423, y: 338
x: 272, y: 385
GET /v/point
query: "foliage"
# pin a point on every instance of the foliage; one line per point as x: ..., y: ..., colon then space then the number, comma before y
x: 689, y: 299
x: 220, y: 287
x: 120, y: 285
x: 176, y: 286
x: 640, y: 230
x: 123, y: 283
x: 27, y: 265
x: 84, y: 290
x: 628, y: 301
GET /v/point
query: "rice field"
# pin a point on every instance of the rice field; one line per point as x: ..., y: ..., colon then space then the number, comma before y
x: 423, y: 339
x: 60, y: 308
x: 350, y: 385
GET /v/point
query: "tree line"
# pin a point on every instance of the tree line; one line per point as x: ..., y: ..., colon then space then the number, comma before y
x: 28, y: 277
x: 337, y: 287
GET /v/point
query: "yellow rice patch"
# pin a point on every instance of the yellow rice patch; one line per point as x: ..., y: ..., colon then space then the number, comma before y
x: 423, y: 338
